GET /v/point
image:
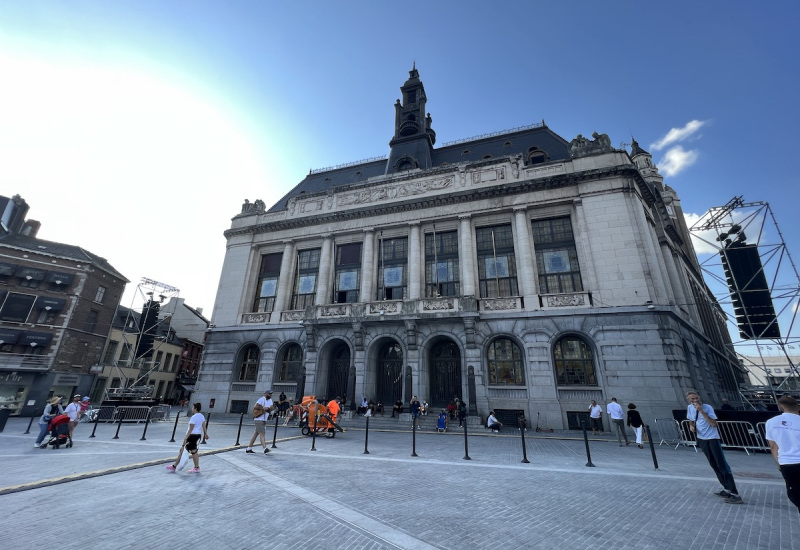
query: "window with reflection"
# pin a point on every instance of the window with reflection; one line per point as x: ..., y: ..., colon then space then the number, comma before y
x: 248, y: 363
x: 291, y: 364
x: 505, y: 363
x: 392, y: 269
x: 556, y: 257
x: 348, y: 273
x: 441, y: 264
x: 305, y: 285
x: 268, y: 276
x: 497, y: 266
x: 574, y: 362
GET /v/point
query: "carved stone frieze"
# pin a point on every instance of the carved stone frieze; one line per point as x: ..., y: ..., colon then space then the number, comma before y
x: 543, y: 171
x: 438, y: 305
x: 495, y: 304
x: 255, y: 318
x: 292, y: 315
x: 391, y: 192
x: 337, y: 310
x: 375, y: 308
x: 565, y: 300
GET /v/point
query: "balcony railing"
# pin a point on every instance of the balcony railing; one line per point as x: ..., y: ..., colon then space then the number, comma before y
x: 22, y: 362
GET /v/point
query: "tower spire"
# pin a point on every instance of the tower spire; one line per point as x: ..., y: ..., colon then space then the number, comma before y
x: 414, y: 138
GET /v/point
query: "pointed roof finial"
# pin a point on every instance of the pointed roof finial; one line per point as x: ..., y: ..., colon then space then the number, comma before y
x: 414, y: 65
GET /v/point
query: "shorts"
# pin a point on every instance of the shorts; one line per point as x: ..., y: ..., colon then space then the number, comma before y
x: 191, y: 442
x: 261, y: 426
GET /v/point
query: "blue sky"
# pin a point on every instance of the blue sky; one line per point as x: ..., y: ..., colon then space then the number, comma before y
x: 137, y: 129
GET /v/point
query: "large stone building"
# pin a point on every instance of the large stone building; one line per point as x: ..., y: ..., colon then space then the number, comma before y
x: 57, y: 302
x: 517, y: 271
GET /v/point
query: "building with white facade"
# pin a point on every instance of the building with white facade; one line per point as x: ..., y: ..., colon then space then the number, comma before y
x: 517, y: 271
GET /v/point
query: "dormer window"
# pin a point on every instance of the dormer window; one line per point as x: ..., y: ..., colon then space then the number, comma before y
x: 536, y: 156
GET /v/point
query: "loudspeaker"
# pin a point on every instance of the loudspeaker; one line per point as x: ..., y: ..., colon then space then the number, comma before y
x: 147, y: 329
x: 752, y: 302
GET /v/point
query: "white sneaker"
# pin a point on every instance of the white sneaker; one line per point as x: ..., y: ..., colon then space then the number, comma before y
x: 37, y: 444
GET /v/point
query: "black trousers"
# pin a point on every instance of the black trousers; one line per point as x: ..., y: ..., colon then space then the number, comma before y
x: 791, y: 475
x: 712, y: 448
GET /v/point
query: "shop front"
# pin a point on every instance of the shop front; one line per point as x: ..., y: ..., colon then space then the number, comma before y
x: 14, y: 389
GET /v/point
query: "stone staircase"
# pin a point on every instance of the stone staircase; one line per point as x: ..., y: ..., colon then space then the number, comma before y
x: 427, y: 423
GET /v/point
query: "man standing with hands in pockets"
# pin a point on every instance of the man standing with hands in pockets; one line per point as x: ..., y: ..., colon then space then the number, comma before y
x: 703, y: 422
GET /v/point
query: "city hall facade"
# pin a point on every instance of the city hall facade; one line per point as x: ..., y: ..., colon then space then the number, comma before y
x: 517, y: 271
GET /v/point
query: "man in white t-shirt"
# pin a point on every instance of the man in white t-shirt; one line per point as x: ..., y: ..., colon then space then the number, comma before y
x: 260, y: 421
x: 783, y: 434
x: 617, y: 415
x: 595, y: 417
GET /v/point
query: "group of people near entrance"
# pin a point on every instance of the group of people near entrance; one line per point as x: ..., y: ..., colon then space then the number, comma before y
x: 619, y: 419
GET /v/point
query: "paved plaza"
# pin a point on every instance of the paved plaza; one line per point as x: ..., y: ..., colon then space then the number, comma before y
x: 111, y: 493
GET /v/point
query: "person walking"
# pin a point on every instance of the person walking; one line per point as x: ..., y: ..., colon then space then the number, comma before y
x: 595, y: 417
x: 783, y: 434
x: 617, y: 416
x: 264, y: 405
x: 462, y: 413
x: 703, y: 422
x: 635, y: 422
x: 197, y: 428
x: 73, y: 410
x: 51, y: 409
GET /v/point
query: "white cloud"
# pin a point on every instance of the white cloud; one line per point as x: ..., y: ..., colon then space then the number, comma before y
x: 676, y: 135
x: 701, y: 240
x: 676, y: 160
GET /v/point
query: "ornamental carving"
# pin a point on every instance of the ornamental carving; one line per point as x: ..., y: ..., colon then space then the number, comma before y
x: 376, y: 308
x: 499, y: 304
x: 257, y: 318
x: 581, y: 147
x: 292, y: 315
x: 390, y: 192
x: 566, y: 300
x: 333, y: 311
x: 437, y: 305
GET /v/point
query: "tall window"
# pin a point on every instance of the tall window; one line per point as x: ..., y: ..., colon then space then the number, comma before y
x: 497, y: 266
x: 573, y: 361
x: 505, y: 363
x: 125, y: 352
x: 392, y: 269
x: 268, y: 282
x: 348, y: 273
x: 101, y: 292
x: 159, y: 360
x: 111, y: 350
x: 305, y: 287
x: 291, y: 364
x: 556, y: 258
x: 248, y: 363
x: 91, y: 321
x: 167, y: 362
x: 441, y: 264
x: 17, y: 307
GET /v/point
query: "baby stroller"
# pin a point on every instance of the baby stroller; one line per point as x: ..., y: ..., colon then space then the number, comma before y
x: 59, y: 432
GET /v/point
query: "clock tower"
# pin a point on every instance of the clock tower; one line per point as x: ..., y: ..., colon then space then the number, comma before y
x: 413, y: 138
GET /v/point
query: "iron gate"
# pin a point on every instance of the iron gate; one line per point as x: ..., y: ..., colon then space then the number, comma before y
x: 445, y: 374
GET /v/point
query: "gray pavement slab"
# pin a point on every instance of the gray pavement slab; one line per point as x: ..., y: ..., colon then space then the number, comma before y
x: 116, y: 493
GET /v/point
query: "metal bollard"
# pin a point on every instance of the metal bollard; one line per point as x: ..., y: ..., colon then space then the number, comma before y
x: 314, y: 433
x: 175, y: 427
x: 413, y: 436
x: 146, y: 422
x: 275, y: 432
x: 119, y: 423
x: 466, y: 444
x: 366, y: 438
x: 239, y: 433
x: 208, y: 421
x: 586, y: 441
x: 94, y: 428
x: 521, y: 424
x: 29, y: 425
x: 652, y: 448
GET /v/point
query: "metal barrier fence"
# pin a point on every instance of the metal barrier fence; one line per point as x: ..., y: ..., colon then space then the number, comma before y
x: 734, y: 434
x: 668, y: 431
x: 137, y: 413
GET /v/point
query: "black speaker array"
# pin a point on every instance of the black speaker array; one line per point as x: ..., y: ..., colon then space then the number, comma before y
x: 752, y: 301
x: 147, y: 330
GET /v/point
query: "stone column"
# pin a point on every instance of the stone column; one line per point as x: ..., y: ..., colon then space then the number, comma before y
x: 525, y: 273
x: 466, y: 253
x: 288, y: 263
x: 414, y: 262
x: 368, y: 266
x: 325, y: 268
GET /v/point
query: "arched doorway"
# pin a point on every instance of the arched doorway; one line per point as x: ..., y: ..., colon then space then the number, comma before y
x: 390, y: 373
x: 445, y: 373
x: 338, y: 370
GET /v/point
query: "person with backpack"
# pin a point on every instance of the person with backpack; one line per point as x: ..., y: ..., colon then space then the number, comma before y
x: 260, y: 415
x: 51, y: 409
